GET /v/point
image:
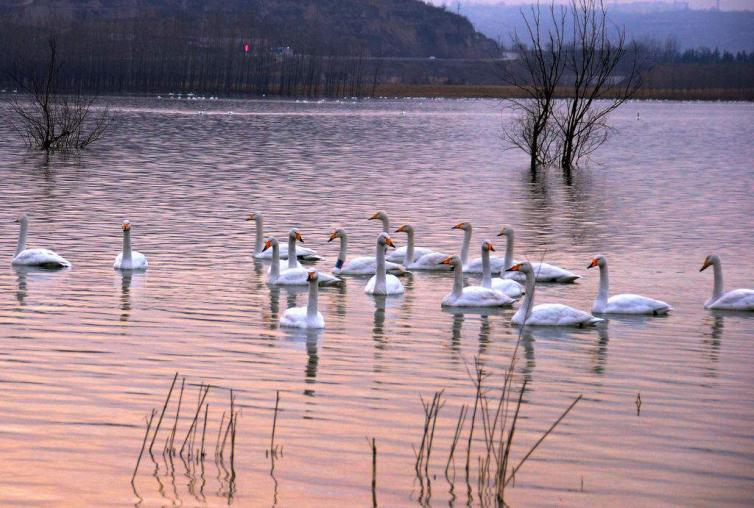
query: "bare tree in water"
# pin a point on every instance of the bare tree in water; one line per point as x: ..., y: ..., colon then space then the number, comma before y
x: 601, y: 74
x: 50, y: 120
x: 575, y: 73
x: 542, y: 64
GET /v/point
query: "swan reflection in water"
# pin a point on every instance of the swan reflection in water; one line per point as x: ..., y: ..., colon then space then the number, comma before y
x: 310, y: 338
x: 35, y: 275
x: 128, y: 279
x: 459, y: 316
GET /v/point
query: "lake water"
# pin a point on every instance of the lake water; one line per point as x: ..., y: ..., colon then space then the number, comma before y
x: 86, y: 353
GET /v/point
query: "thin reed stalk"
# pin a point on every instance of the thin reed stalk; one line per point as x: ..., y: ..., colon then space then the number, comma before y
x: 162, y: 413
x: 143, y: 444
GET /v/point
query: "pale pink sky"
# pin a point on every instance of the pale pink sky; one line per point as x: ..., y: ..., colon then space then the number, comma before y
x: 694, y: 4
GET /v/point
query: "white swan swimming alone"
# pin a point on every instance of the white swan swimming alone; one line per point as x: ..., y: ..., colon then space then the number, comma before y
x: 44, y: 258
x: 383, y: 283
x: 475, y: 265
x: 362, y: 265
x: 309, y: 316
x: 508, y: 287
x: 623, y: 303
x: 736, y: 299
x: 429, y: 260
x: 293, y: 275
x: 398, y: 255
x: 546, y: 314
x: 471, y: 296
x: 129, y: 259
x: 543, y: 272
x: 259, y: 253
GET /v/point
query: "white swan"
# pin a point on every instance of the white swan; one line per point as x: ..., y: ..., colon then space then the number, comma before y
x: 383, y: 283
x: 129, y: 259
x: 259, y: 253
x: 508, y: 287
x: 624, y: 303
x: 423, y: 259
x: 471, y: 296
x: 737, y: 299
x: 544, y: 272
x: 293, y: 275
x: 362, y: 265
x: 309, y: 316
x: 399, y: 254
x: 475, y: 265
x: 546, y: 314
x: 35, y: 257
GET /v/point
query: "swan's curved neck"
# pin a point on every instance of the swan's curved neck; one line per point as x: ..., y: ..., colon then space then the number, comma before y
x: 343, y: 250
x: 126, y: 247
x: 380, y: 281
x: 385, y: 224
x: 292, y: 258
x: 260, y: 235
x: 275, y: 266
x: 22, y: 238
x: 311, y: 307
x: 603, y: 292
x: 717, y: 290
x: 409, y: 248
x: 524, y: 311
x: 486, y: 270
x: 508, y: 261
x: 458, y: 280
x: 465, y: 246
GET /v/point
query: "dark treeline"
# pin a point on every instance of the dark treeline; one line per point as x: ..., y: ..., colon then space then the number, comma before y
x: 144, y: 54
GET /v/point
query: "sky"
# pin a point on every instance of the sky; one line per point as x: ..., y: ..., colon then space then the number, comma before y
x: 694, y: 4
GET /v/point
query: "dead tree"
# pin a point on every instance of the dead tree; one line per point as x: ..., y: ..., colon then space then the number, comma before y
x: 600, y: 75
x: 50, y: 120
x: 537, y: 77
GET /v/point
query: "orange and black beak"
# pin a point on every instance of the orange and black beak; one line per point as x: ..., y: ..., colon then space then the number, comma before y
x: 458, y: 226
x: 299, y: 238
x: 448, y: 260
x: 706, y: 264
x: 17, y: 221
x: 126, y: 226
x: 389, y: 241
x: 490, y: 247
x: 311, y: 276
x: 267, y: 245
x: 375, y: 216
x: 251, y: 216
x: 401, y: 229
x: 502, y: 232
x: 333, y: 236
x: 514, y: 268
x: 594, y: 263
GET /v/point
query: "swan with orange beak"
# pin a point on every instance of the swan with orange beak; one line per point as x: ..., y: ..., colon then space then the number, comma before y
x: 362, y: 265
x: 383, y: 283
x: 737, y: 299
x: 259, y: 252
x: 624, y: 303
x: 129, y: 259
x: 546, y: 314
x: 294, y: 275
x: 306, y: 317
x: 423, y: 259
x: 471, y: 296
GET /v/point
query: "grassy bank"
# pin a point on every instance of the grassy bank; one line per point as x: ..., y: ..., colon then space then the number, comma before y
x: 501, y: 92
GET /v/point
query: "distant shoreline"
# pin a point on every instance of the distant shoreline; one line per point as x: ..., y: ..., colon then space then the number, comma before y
x: 506, y: 92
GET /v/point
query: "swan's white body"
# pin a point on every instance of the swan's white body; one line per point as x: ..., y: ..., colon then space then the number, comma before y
x: 260, y: 253
x: 508, y: 287
x: 294, y: 275
x: 737, y: 299
x: 547, y: 314
x: 543, y: 272
x: 471, y: 296
x: 129, y: 259
x: 383, y: 283
x: 44, y: 258
x: 420, y: 258
x: 309, y: 316
x: 398, y: 255
x: 624, y: 303
x: 362, y: 265
x: 475, y: 265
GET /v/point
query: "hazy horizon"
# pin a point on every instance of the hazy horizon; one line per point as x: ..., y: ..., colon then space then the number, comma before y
x: 725, y: 5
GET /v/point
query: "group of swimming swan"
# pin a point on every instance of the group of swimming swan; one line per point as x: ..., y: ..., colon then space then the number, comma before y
x: 502, y: 291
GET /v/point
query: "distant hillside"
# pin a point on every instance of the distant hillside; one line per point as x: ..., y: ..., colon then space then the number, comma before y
x: 727, y: 30
x: 392, y: 28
